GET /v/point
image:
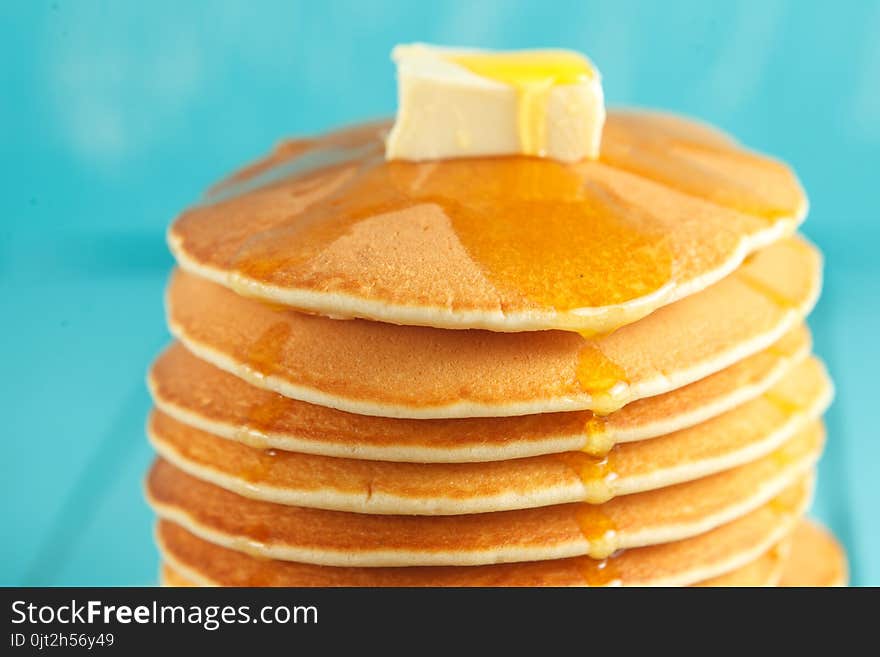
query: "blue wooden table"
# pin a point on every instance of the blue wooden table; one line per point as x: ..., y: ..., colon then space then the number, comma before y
x: 115, y: 115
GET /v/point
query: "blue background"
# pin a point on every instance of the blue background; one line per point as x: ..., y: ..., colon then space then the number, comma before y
x: 114, y: 116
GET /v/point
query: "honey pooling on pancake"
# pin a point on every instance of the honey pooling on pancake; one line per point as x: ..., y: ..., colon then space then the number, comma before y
x: 598, y: 529
x: 789, y: 502
x: 257, y: 469
x: 538, y: 229
x: 597, y: 475
x: 253, y: 539
x: 263, y: 358
x: 784, y: 404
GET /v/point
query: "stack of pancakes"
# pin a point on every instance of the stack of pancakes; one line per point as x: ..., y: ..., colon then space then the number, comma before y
x: 498, y: 371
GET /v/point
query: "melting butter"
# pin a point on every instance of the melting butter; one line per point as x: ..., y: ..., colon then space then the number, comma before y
x: 533, y: 74
x: 458, y: 103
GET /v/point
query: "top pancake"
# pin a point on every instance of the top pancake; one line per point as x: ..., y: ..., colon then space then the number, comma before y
x: 507, y: 244
x: 373, y: 368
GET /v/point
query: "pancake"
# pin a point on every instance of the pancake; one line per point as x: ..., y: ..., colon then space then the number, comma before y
x: 726, y: 441
x: 508, y: 244
x: 817, y: 559
x: 493, y: 371
x: 337, y: 538
x: 205, y: 397
x: 763, y: 571
x: 404, y: 371
x: 679, y: 563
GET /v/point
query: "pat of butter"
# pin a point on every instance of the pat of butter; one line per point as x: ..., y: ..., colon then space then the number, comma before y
x: 470, y: 103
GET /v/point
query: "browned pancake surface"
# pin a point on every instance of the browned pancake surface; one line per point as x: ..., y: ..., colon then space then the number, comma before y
x: 340, y: 538
x: 404, y: 371
x: 763, y: 571
x: 726, y: 441
x: 199, y: 394
x: 685, y: 562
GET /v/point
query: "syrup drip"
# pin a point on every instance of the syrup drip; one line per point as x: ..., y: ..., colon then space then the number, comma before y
x: 263, y: 358
x: 785, y: 405
x: 262, y: 418
x: 257, y: 534
x: 264, y: 355
x: 780, y: 551
x: 601, y: 572
x: 250, y: 546
x: 605, y: 381
x: 599, y: 440
x: 787, y: 503
x: 597, y: 474
x: 766, y: 290
x: 257, y: 467
x: 598, y: 528
x: 785, y: 455
x: 779, y: 350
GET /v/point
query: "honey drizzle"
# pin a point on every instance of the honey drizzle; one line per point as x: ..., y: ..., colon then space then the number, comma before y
x: 597, y: 474
x: 250, y: 546
x: 602, y: 572
x: 780, y: 550
x: 537, y: 229
x: 782, y: 403
x: 787, y: 503
x: 598, y: 439
x: 532, y: 74
x: 264, y: 355
x: 263, y: 358
x: 793, y: 448
x: 262, y: 419
x: 766, y: 290
x: 607, y: 384
x: 598, y: 529
x: 779, y: 350
x: 257, y: 468
x: 796, y: 448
